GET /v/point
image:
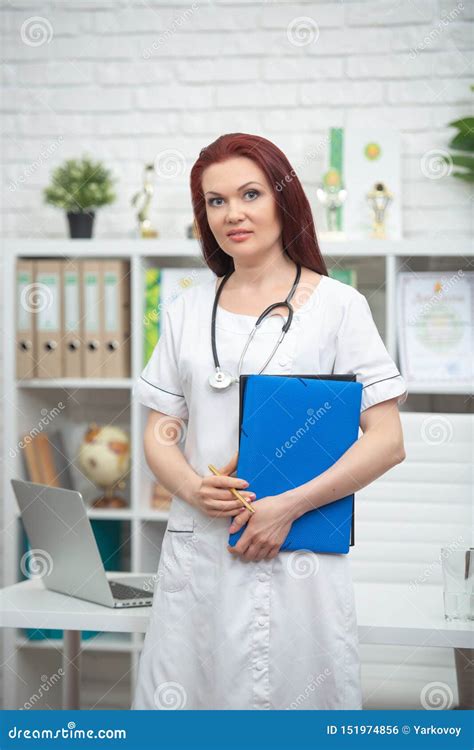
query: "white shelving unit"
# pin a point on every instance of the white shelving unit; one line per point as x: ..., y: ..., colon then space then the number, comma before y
x: 378, y: 264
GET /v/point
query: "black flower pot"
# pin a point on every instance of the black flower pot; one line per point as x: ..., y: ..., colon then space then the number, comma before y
x: 80, y: 225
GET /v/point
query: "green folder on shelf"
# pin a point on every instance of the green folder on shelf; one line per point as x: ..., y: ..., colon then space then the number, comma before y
x: 151, y: 322
x: 346, y: 275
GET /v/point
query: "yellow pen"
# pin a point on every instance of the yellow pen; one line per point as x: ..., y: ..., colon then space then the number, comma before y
x: 235, y: 492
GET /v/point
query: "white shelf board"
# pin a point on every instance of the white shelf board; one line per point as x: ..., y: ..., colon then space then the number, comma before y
x: 96, y: 248
x: 420, y: 246
x: 127, y: 383
x: 110, y: 514
x: 126, y: 514
x: 78, y: 383
x: 442, y: 390
x: 114, y: 642
x: 144, y: 514
x: 153, y: 515
x: 186, y: 248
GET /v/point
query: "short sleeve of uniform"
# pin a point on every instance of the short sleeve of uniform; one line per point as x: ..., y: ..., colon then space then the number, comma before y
x: 360, y: 350
x: 159, y: 385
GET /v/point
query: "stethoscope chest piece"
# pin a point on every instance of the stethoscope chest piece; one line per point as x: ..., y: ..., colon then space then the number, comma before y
x: 220, y: 380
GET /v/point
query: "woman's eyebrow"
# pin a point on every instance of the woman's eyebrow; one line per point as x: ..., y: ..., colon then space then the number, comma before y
x: 252, y: 182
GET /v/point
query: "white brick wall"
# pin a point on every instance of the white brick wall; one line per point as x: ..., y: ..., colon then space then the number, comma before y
x: 92, y: 88
x: 401, y: 63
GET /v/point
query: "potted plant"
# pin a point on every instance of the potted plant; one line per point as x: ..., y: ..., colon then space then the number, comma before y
x: 79, y: 186
x: 463, y: 142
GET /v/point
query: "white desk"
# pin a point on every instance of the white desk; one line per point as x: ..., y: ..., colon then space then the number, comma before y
x: 394, y: 614
x: 389, y: 614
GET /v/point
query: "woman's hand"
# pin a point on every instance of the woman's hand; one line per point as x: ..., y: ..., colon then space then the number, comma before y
x: 213, y: 496
x: 266, y: 531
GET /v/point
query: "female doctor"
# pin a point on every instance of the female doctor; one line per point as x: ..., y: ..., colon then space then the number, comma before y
x: 251, y: 627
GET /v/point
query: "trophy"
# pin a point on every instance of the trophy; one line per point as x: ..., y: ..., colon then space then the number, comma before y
x: 378, y: 199
x: 142, y: 200
x: 331, y: 194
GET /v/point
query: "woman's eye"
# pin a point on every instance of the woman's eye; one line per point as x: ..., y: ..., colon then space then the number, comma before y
x: 248, y: 192
x: 255, y: 192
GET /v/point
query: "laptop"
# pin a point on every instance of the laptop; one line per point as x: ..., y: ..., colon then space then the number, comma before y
x: 57, y: 525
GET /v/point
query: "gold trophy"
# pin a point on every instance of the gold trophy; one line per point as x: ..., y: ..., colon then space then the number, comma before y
x: 331, y: 194
x: 378, y: 199
x: 142, y: 200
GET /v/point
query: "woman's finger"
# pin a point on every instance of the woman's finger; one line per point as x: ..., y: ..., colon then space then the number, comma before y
x: 224, y: 481
x: 224, y: 496
x: 273, y: 552
x: 264, y: 553
x: 232, y: 504
x: 219, y: 513
x: 253, y: 552
x: 240, y: 521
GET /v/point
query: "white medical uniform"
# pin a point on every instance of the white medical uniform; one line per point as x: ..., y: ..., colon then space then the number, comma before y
x: 225, y: 633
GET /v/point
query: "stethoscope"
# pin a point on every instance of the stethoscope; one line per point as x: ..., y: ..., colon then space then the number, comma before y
x: 220, y: 379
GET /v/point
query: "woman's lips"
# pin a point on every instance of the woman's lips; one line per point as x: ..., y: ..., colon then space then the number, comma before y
x: 240, y: 237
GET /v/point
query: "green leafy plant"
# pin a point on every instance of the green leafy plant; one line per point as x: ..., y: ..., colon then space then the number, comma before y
x: 80, y: 185
x: 463, y: 142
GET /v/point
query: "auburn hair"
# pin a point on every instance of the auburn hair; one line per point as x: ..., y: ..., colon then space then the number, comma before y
x: 298, y: 231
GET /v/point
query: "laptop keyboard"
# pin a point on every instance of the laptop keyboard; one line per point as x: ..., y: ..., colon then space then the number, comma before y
x: 120, y: 591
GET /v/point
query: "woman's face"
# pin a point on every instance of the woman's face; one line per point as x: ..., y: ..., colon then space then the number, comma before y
x: 239, y: 197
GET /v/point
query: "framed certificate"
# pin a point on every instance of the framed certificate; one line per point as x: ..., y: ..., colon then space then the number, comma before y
x: 435, y: 323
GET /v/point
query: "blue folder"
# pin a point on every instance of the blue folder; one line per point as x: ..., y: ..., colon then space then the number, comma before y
x: 291, y: 429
